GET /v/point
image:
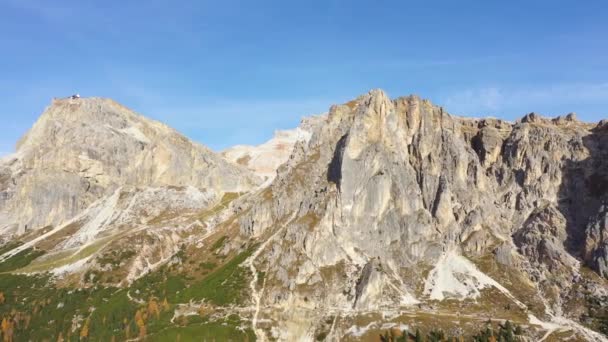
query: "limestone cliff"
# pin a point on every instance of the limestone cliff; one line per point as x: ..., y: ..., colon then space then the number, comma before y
x: 81, y: 150
x: 384, y: 213
x: 264, y: 159
x: 386, y: 189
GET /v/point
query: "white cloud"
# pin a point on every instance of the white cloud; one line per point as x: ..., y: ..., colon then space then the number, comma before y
x: 475, y: 100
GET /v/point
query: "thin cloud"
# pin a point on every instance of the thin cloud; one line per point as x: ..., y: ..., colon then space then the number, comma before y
x: 475, y: 100
x: 496, y: 99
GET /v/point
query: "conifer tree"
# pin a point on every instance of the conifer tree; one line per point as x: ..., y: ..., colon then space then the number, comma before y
x: 419, y: 337
x: 405, y: 336
x: 518, y: 330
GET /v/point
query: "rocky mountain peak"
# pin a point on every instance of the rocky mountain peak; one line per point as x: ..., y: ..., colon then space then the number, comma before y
x: 382, y: 210
x: 92, y: 116
x: 81, y: 150
x: 265, y: 158
x: 385, y: 186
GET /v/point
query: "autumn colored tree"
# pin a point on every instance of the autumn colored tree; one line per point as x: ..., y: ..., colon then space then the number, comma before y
x: 84, y: 332
x: 2, y: 299
x: 127, y: 328
x: 165, y: 305
x: 153, y: 308
x: 7, y: 329
x: 140, y: 322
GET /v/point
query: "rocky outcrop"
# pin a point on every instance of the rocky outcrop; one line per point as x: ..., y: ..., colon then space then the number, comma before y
x: 81, y: 150
x: 401, y: 183
x: 596, y: 243
x: 542, y: 239
x: 264, y: 159
x: 381, y: 205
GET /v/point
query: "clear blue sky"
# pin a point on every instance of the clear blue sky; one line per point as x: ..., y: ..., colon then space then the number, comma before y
x: 228, y: 72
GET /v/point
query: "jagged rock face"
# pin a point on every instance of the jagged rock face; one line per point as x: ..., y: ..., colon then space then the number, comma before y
x: 596, y: 246
x: 264, y: 159
x: 81, y: 150
x: 148, y: 223
x: 542, y: 239
x: 401, y: 183
x: 381, y: 205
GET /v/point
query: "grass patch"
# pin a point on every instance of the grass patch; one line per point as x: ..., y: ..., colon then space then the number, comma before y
x: 64, y: 258
x: 223, y: 286
x: 207, y: 266
x: 227, y: 330
x: 43, y: 311
x: 219, y: 243
x: 115, y: 258
x: 223, y: 204
x: 10, y: 246
x: 19, y: 260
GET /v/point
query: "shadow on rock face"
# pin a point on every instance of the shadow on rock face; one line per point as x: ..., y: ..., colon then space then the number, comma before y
x: 334, y: 169
x: 583, y: 198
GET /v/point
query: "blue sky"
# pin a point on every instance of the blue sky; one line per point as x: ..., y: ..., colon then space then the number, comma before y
x: 229, y: 72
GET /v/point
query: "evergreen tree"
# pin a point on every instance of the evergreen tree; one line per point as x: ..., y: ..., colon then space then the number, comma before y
x: 518, y: 330
x: 436, y: 335
x: 418, y: 337
x: 508, y: 332
x: 405, y: 336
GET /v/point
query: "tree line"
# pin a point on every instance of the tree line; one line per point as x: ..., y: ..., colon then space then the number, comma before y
x: 506, y: 332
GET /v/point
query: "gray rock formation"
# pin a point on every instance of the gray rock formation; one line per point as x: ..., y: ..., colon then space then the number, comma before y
x: 388, y: 205
x: 596, y: 244
x: 81, y: 150
x: 401, y: 183
x: 264, y: 159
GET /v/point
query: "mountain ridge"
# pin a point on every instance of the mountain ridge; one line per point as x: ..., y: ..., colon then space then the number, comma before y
x: 96, y: 144
x: 391, y: 212
x: 375, y: 153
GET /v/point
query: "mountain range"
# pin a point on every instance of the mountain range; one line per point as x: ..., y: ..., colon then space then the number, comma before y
x: 380, y: 216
